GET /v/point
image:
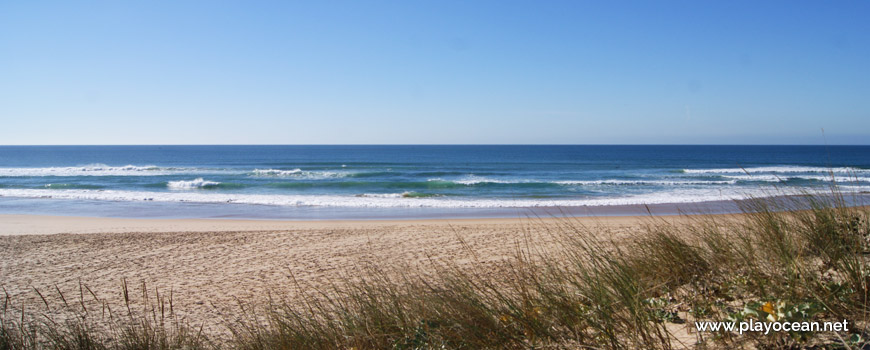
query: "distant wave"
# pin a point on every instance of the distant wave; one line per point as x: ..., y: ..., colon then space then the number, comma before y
x: 276, y: 172
x: 403, y: 201
x: 778, y: 169
x: 97, y: 170
x: 477, y: 180
x: 152, y: 170
x: 192, y: 184
x: 298, y: 173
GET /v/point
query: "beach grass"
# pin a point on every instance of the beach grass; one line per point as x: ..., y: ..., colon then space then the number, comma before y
x: 799, y: 258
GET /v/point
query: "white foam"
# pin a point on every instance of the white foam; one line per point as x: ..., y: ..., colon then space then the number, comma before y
x: 276, y: 172
x: 384, y: 195
x: 674, y: 196
x: 778, y: 169
x: 192, y: 184
x: 475, y: 180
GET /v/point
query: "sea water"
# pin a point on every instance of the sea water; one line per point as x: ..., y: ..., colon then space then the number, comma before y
x: 316, y: 182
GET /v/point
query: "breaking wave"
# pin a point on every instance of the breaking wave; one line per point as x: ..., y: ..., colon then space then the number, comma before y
x: 192, y: 184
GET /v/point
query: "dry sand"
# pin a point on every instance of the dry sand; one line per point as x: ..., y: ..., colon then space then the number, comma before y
x: 211, y: 264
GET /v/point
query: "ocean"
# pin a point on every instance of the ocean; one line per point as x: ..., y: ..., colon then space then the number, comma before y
x: 373, y: 182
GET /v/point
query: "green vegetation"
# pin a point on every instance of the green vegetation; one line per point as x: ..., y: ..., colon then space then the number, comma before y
x: 773, y: 263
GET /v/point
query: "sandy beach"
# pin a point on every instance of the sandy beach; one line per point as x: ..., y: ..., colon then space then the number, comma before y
x: 447, y: 175
x: 211, y: 265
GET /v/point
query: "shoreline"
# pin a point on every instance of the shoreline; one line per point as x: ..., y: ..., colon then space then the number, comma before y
x: 231, y: 211
x: 18, y: 216
x: 258, y: 212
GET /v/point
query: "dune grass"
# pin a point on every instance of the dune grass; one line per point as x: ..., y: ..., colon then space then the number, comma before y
x: 790, y: 259
x: 150, y: 324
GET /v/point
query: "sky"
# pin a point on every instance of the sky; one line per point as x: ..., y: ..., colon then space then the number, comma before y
x: 434, y: 72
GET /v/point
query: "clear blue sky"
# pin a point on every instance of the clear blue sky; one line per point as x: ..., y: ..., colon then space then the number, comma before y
x: 347, y: 72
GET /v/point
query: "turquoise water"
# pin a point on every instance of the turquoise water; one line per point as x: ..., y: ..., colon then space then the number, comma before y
x: 371, y: 181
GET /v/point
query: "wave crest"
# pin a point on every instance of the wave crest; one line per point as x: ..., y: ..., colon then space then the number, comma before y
x: 192, y: 184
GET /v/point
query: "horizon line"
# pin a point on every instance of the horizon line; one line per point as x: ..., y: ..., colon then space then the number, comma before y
x: 438, y: 144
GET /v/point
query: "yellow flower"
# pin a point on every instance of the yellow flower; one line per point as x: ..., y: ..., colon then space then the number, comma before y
x: 770, y: 310
x: 767, y: 307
